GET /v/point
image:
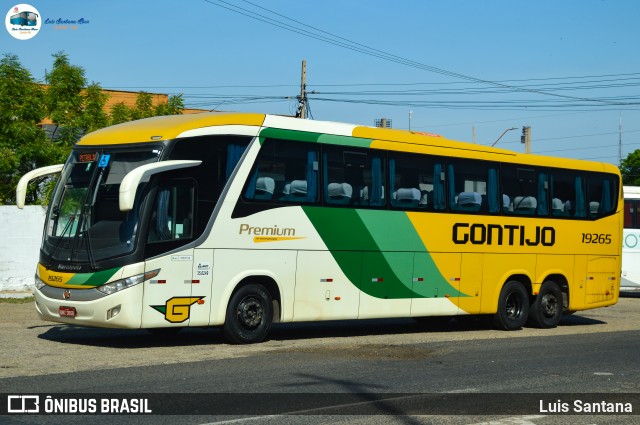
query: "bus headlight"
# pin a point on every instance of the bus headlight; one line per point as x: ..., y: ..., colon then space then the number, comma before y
x: 119, y: 285
x: 38, y: 282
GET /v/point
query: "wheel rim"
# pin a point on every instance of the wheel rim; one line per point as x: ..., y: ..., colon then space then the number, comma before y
x: 549, y: 305
x: 513, y: 306
x: 250, y: 312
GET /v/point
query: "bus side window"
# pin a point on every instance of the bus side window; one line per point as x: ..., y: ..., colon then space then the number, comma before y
x: 473, y: 186
x: 353, y: 176
x: 567, y: 187
x: 415, y: 182
x: 628, y: 213
x: 523, y: 191
x: 602, y: 192
x: 172, y: 214
x: 284, y: 171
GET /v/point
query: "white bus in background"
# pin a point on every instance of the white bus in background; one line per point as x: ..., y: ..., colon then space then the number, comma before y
x: 631, y: 239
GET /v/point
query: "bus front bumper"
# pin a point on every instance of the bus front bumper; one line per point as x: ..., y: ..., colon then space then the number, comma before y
x: 122, y: 309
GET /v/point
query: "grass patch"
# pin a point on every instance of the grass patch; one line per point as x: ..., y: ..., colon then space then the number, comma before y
x: 17, y: 300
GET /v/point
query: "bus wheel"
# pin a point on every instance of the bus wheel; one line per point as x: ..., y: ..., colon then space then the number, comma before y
x: 546, y: 310
x: 513, y: 307
x: 249, y: 315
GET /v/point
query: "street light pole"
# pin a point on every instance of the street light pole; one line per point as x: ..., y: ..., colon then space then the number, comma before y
x: 505, y: 132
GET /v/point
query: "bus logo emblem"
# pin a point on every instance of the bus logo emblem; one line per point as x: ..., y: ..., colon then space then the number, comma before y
x: 66, y: 294
x: 178, y: 309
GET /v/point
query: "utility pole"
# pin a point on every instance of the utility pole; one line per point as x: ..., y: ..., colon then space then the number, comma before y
x: 302, y: 100
x: 382, y: 123
x: 526, y: 139
x: 620, y: 141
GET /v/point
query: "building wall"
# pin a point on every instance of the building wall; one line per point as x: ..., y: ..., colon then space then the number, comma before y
x: 20, y: 245
x: 129, y: 99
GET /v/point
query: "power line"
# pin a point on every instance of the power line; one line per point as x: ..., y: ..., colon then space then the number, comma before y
x: 343, y: 42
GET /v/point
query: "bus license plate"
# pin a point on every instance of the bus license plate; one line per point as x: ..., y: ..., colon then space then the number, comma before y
x: 67, y: 312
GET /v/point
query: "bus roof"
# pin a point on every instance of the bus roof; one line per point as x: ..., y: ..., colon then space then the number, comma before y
x: 171, y: 127
x: 631, y: 192
x: 165, y: 127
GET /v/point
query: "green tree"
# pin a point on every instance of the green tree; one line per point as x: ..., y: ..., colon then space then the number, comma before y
x: 174, y: 106
x: 119, y: 113
x: 630, y: 169
x: 93, y: 115
x: 63, y: 98
x: 23, y: 145
x: 143, y: 107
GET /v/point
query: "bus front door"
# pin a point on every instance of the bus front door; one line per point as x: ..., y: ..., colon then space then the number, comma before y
x: 167, y: 299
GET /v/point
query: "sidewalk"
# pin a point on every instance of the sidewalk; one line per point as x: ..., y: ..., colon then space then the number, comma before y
x: 16, y: 294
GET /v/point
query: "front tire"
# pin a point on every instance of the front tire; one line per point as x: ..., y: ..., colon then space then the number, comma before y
x: 546, y: 310
x: 513, y: 307
x: 249, y: 315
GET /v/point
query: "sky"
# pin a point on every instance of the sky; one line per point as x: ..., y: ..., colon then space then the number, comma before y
x: 465, y: 69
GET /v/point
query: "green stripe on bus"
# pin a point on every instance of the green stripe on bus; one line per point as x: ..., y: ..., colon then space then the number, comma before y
x: 388, y: 243
x: 306, y: 136
x: 93, y: 279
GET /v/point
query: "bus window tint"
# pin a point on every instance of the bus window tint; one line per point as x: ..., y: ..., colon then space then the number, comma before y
x: 172, y: 215
x: 567, y: 194
x: 473, y: 186
x: 602, y: 195
x: 519, y: 190
x: 629, y: 208
x: 416, y: 181
x: 219, y: 156
x: 354, y: 176
x: 285, y: 171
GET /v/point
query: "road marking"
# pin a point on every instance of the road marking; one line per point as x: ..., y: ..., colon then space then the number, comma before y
x: 516, y: 420
x: 603, y: 373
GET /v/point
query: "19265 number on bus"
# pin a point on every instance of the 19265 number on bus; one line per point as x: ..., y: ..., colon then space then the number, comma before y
x: 600, y: 238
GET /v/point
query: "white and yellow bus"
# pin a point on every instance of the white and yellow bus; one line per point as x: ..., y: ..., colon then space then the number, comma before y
x: 631, y: 240
x: 243, y: 220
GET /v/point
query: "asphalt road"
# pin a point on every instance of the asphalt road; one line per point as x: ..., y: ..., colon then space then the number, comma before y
x: 392, y: 371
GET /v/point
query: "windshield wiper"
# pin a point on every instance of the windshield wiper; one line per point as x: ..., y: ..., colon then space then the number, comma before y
x: 83, y: 228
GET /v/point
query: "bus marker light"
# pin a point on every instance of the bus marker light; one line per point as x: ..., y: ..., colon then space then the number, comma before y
x: 200, y: 302
x: 195, y: 281
x: 418, y: 279
x: 329, y: 280
x: 160, y: 281
x: 338, y: 298
x: 447, y: 295
x: 377, y: 279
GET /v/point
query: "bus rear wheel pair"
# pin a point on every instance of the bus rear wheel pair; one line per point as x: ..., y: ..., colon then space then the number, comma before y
x: 515, y: 308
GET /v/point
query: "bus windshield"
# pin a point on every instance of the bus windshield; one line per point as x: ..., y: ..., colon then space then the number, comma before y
x: 84, y: 222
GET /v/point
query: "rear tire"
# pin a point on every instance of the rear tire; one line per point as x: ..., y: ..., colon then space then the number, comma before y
x: 513, y: 307
x: 546, y: 310
x: 249, y: 315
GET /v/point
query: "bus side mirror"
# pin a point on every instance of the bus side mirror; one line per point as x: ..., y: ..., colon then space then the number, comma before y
x: 21, y: 189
